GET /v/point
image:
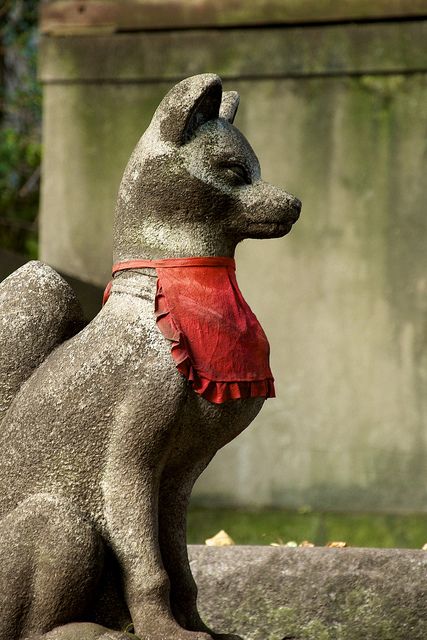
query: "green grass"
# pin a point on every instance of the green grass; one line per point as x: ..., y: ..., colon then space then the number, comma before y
x: 280, y: 526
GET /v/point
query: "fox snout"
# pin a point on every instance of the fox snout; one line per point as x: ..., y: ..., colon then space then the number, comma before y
x: 268, y: 211
x: 296, y: 206
x: 290, y: 206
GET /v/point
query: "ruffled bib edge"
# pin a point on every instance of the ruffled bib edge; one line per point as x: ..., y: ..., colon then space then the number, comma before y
x: 214, y: 391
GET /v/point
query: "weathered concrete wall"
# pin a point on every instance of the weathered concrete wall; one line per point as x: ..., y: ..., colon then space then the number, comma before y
x: 265, y: 593
x: 338, y: 116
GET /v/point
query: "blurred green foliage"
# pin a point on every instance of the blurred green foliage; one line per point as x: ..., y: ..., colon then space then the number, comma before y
x: 20, y: 113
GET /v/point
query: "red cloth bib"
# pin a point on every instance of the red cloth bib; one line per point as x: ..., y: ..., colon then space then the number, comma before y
x: 217, y: 342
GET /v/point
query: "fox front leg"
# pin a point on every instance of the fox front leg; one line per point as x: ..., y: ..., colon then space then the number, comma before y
x: 175, y: 490
x: 207, y: 430
x: 176, y: 487
x: 137, y: 451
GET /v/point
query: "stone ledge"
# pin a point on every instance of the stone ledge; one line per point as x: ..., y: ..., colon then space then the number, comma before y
x: 89, y: 16
x: 333, y: 50
x: 278, y: 593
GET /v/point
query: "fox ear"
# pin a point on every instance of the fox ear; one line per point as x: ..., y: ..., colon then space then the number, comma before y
x: 187, y: 106
x: 229, y: 105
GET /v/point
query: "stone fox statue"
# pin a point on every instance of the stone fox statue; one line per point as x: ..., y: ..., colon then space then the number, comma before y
x: 104, y: 429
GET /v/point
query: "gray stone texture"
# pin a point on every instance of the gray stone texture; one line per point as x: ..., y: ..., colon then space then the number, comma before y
x: 337, y: 113
x: 101, y: 438
x: 38, y: 311
x: 277, y: 593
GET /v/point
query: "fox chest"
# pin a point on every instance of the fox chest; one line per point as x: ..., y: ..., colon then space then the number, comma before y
x: 208, y: 426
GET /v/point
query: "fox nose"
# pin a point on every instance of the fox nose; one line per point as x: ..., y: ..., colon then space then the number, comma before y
x: 295, y: 206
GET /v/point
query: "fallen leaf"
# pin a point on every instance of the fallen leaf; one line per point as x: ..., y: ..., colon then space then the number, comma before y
x: 221, y: 539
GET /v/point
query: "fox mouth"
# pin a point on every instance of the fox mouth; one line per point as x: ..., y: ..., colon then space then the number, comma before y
x: 281, y: 226
x: 271, y: 228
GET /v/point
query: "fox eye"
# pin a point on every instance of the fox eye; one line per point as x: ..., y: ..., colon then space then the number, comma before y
x: 236, y: 173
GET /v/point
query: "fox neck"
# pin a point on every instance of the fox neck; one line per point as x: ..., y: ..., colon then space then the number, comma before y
x: 156, y: 239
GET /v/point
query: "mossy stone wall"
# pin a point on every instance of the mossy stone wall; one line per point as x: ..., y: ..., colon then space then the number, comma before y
x: 338, y: 115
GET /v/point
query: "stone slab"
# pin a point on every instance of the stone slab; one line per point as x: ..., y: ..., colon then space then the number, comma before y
x: 76, y: 16
x: 237, y: 53
x: 278, y: 593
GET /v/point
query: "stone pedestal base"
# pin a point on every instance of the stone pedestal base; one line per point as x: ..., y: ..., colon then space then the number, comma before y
x: 277, y: 593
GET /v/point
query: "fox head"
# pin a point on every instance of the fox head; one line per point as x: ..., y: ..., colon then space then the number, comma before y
x: 193, y: 184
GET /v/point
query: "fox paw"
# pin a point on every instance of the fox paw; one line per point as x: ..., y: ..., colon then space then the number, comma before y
x: 83, y: 631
